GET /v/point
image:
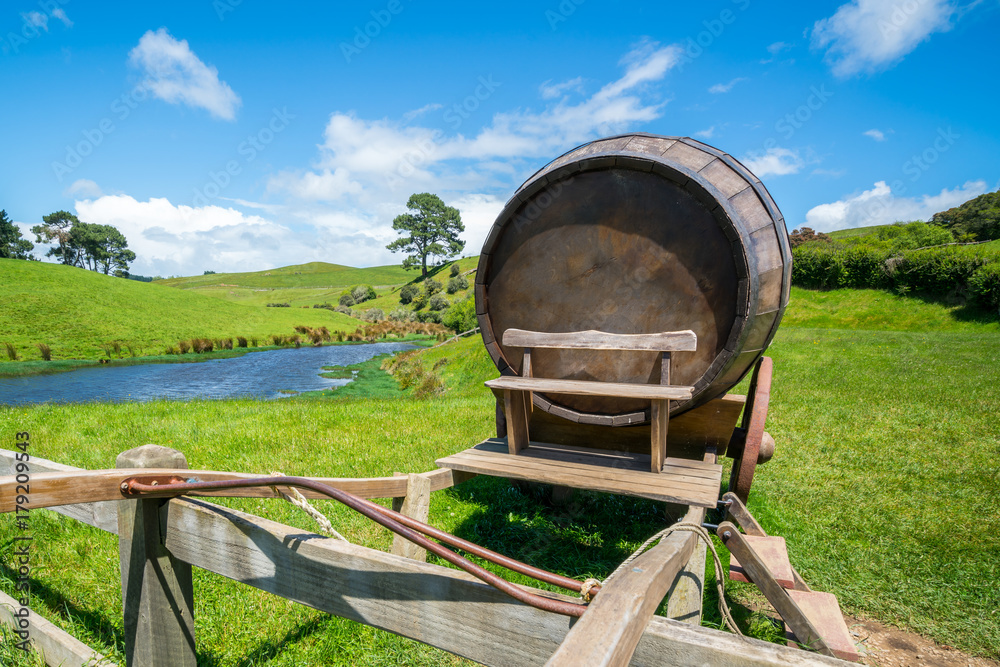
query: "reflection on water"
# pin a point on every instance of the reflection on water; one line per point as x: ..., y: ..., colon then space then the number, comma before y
x: 258, y: 374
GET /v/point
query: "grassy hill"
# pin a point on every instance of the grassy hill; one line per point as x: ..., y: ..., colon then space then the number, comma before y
x: 75, y: 311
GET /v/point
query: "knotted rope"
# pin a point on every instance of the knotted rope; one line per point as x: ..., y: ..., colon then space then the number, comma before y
x: 296, y: 498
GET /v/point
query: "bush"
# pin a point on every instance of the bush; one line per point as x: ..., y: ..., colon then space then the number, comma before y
x: 347, y: 299
x: 373, y: 315
x: 984, y: 285
x: 407, y: 293
x: 431, y: 286
x: 363, y: 293
x: 241, y: 341
x: 401, y: 315
x: 419, y: 301
x: 345, y: 310
x: 457, y: 284
x: 429, y: 316
x: 279, y: 305
x: 184, y: 346
x: 439, y: 302
x: 11, y: 352
x: 461, y: 316
x: 45, y: 351
x: 455, y: 270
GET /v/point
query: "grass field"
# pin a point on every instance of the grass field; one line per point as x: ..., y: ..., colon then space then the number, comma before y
x: 884, y: 484
x: 75, y: 311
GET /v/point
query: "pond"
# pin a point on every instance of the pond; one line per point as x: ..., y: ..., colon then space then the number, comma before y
x: 267, y: 375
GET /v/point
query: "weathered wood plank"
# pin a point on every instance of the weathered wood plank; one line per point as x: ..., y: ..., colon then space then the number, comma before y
x: 517, y: 421
x: 416, y: 505
x: 659, y: 418
x: 429, y: 603
x: 52, y: 489
x: 685, y: 341
x: 157, y: 588
x: 56, y: 645
x: 607, y: 634
x: 587, y: 388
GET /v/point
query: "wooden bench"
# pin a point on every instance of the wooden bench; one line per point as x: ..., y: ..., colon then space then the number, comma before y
x: 518, y: 390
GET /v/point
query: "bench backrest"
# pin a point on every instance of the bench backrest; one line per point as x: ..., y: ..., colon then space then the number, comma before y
x: 667, y: 341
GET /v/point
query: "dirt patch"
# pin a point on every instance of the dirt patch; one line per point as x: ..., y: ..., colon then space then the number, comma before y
x: 883, y: 646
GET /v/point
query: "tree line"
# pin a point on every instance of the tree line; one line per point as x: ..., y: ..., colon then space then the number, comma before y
x: 100, y: 248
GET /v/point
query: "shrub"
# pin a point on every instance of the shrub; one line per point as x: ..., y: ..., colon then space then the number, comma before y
x: 984, y: 285
x: 200, y: 345
x: 241, y: 341
x: 363, y: 293
x: 373, y: 315
x: 184, y: 346
x: 45, y: 351
x: 170, y: 350
x: 11, y: 352
x: 131, y: 351
x: 431, y: 286
x: 345, y: 310
x: 439, y: 302
x: 419, y: 301
x: 455, y: 270
x: 401, y: 315
x: 253, y: 341
x: 277, y: 339
x: 279, y: 305
x: 461, y: 316
x: 407, y: 293
x: 429, y: 316
x: 457, y: 284
x: 346, y: 299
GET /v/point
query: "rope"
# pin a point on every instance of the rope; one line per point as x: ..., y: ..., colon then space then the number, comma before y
x: 687, y: 526
x: 297, y: 499
x: 586, y: 586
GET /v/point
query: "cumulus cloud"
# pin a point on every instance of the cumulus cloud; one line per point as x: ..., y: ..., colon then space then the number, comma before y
x: 877, y: 135
x: 775, y: 161
x: 871, y: 35
x: 551, y: 90
x: 706, y: 133
x: 173, y: 72
x: 83, y: 187
x: 720, y: 88
x: 880, y: 206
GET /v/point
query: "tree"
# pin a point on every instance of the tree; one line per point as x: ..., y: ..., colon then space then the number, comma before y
x: 432, y: 228
x: 56, y: 228
x: 100, y: 248
x: 12, y: 246
x: 978, y: 218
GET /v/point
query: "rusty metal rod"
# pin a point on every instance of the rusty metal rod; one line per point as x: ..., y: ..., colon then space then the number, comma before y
x: 150, y: 487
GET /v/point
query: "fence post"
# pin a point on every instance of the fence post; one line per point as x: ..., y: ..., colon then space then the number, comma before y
x: 157, y: 591
x: 416, y: 505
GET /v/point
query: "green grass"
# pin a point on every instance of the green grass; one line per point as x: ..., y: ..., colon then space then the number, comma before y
x: 884, y: 484
x: 311, y: 275
x: 75, y: 311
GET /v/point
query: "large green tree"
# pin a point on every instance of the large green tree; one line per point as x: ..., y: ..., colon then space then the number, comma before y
x: 431, y: 229
x: 100, y: 248
x: 979, y: 217
x: 12, y: 246
x: 55, y: 229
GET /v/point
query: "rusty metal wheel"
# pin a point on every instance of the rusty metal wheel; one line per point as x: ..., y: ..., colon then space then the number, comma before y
x: 754, y: 415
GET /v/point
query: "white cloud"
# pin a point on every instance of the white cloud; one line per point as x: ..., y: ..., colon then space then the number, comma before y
x: 872, y: 35
x: 877, y: 135
x: 410, y: 115
x: 553, y: 90
x: 777, y: 47
x: 60, y: 14
x: 725, y: 87
x: 775, y: 161
x: 83, y: 187
x: 176, y: 75
x: 706, y: 133
x: 479, y: 212
x: 879, y: 206
x: 36, y: 20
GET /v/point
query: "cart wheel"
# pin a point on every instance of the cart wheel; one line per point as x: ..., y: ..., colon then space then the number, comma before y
x: 754, y: 415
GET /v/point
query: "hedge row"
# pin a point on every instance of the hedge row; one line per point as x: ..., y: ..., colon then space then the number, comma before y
x: 935, y: 271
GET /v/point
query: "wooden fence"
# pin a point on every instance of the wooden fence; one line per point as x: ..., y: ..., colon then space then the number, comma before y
x: 446, y: 608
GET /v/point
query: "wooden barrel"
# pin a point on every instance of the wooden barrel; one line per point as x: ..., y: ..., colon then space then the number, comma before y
x: 637, y: 233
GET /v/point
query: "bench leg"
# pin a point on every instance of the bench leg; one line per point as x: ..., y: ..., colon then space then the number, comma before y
x: 517, y: 420
x: 659, y: 418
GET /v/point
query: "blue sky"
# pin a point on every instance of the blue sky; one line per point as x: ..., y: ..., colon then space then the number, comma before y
x: 232, y: 135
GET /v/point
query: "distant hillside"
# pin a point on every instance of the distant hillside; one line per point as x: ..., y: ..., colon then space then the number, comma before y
x: 313, y: 274
x: 75, y: 311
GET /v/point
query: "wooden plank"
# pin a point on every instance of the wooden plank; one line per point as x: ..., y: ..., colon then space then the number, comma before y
x: 743, y: 517
x: 103, y: 515
x: 664, y: 486
x: 824, y: 611
x: 157, y: 588
x: 57, y: 646
x: 517, y: 421
x: 429, y: 603
x: 659, y: 417
x: 607, y: 634
x: 52, y: 489
x: 544, y: 467
x: 680, y: 341
x: 587, y: 388
x: 416, y: 505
